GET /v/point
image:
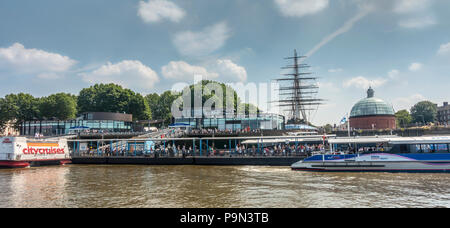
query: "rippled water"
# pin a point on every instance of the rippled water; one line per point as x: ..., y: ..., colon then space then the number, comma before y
x: 200, y: 186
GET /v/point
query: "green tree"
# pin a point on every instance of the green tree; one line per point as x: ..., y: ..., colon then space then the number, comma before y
x: 22, y: 107
x: 249, y: 109
x: 202, y: 86
x: 18, y: 108
x: 153, y: 102
x: 61, y: 106
x: 113, y: 98
x: 103, y: 98
x: 403, y: 118
x: 138, y: 106
x: 424, y: 112
x: 161, y: 105
x: 328, y: 129
x: 4, y: 114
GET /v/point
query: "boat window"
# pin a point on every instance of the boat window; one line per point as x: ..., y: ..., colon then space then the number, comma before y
x: 432, y: 148
x: 442, y: 148
x: 404, y: 148
x: 423, y: 148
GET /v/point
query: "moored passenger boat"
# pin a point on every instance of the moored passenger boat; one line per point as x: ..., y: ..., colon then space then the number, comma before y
x: 382, y: 154
x: 21, y: 152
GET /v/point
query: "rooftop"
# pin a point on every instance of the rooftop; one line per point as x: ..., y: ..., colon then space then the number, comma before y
x: 372, y: 106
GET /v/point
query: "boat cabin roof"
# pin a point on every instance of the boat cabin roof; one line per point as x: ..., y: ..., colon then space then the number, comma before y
x: 392, y: 140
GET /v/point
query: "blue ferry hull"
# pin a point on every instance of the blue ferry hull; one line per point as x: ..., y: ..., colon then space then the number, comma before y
x: 379, y: 162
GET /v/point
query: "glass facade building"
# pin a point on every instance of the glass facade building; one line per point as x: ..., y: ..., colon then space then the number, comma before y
x: 108, y: 122
x: 261, y: 121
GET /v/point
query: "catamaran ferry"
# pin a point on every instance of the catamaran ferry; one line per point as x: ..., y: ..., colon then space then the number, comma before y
x: 21, y: 152
x: 382, y: 154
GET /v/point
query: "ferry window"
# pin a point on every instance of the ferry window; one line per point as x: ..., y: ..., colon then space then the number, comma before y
x: 424, y: 148
x: 403, y: 148
x: 427, y: 148
x: 442, y: 148
x: 419, y: 149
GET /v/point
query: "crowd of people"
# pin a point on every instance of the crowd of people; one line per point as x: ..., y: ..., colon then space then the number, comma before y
x: 171, y: 150
x: 210, y: 131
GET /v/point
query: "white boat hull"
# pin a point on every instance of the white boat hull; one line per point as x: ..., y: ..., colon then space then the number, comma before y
x: 373, y: 163
x: 21, y: 152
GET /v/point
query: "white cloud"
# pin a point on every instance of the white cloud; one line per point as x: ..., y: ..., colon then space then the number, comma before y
x: 157, y: 10
x: 410, y: 6
x: 19, y: 60
x: 415, y: 67
x: 229, y: 70
x: 419, y: 22
x: 185, y: 72
x: 444, y: 49
x: 225, y: 69
x: 343, y: 29
x: 361, y: 82
x: 413, y: 14
x: 128, y: 73
x: 418, y: 12
x: 335, y: 70
x: 407, y: 102
x: 364, y: 83
x: 300, y: 8
x: 203, y: 42
x: 393, y: 74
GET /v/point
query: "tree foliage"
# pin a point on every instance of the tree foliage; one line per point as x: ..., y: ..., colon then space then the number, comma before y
x: 4, y: 115
x: 404, y: 118
x: 328, y: 128
x: 22, y: 107
x: 249, y: 109
x: 61, y: 106
x: 208, y: 92
x: 113, y: 98
x: 424, y: 112
x: 161, y: 105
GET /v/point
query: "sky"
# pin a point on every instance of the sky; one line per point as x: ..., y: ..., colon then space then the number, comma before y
x: 399, y: 47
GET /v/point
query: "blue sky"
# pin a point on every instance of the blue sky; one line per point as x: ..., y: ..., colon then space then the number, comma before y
x: 400, y: 47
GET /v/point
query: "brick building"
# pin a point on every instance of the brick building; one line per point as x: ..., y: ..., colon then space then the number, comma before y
x: 443, y: 114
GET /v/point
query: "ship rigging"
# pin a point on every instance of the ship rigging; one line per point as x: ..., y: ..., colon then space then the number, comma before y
x: 298, y: 91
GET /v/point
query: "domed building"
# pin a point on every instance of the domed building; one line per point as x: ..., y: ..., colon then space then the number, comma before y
x: 372, y: 113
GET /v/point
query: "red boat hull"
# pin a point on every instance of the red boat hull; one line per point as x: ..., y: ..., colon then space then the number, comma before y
x: 26, y: 164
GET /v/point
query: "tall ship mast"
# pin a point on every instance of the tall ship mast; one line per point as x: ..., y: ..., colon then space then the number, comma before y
x: 298, y: 91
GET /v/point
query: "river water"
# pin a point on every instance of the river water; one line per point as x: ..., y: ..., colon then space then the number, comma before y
x: 210, y: 186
